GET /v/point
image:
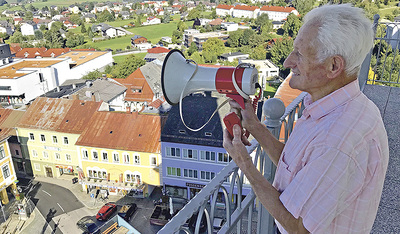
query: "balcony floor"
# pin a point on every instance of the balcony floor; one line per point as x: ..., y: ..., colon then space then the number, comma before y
x: 388, y: 101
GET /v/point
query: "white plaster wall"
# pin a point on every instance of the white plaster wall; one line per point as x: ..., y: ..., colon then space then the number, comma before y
x: 78, y: 71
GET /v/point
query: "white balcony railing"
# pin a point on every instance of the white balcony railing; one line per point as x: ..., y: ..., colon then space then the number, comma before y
x: 239, y: 214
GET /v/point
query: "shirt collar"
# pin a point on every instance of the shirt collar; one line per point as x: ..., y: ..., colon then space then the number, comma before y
x: 330, y: 102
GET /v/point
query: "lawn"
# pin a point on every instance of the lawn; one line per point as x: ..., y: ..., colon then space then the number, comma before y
x: 120, y: 59
x: 114, y: 44
x: 39, y: 4
x: 269, y: 91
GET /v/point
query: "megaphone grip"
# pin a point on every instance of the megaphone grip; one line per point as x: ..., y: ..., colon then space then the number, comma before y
x: 230, y: 121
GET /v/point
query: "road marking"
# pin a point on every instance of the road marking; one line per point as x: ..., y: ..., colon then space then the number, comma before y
x: 60, y: 207
x: 46, y: 193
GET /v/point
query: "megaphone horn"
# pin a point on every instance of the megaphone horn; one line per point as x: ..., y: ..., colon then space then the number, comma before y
x: 182, y: 75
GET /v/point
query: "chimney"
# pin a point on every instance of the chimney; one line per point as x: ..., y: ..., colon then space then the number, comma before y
x: 93, y: 97
x: 73, y: 86
x: 75, y: 97
x: 128, y: 109
x: 58, y: 88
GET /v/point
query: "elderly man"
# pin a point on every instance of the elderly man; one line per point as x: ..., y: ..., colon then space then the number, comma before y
x: 330, y: 173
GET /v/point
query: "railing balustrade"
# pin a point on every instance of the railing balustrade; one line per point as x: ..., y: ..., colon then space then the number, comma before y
x: 239, y: 214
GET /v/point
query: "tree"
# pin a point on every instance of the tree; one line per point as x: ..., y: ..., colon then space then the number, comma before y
x: 5, y: 36
x: 193, y: 14
x: 213, y: 45
x: 91, y: 6
x: 262, y: 20
x: 83, y: 28
x: 303, y: 6
x: 28, y: 15
x: 38, y: 34
x: 181, y: 26
x: 166, y: 18
x: 74, y: 40
x: 17, y: 37
x: 129, y: 65
x: 245, y: 38
x: 280, y: 51
x: 76, y: 19
x: 292, y: 25
x: 234, y: 37
x: 192, y: 48
x: 105, y: 16
x: 258, y: 53
x: 213, y: 14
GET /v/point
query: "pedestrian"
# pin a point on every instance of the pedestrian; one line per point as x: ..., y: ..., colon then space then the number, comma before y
x: 330, y: 173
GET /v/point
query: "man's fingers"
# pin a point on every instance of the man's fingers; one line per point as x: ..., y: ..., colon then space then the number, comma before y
x: 237, y: 132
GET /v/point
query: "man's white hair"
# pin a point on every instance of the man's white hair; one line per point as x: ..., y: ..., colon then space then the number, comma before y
x: 342, y: 30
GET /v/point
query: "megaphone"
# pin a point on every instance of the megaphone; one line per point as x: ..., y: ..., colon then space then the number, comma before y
x: 181, y: 77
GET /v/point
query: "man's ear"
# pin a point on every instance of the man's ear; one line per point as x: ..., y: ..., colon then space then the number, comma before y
x: 336, y: 66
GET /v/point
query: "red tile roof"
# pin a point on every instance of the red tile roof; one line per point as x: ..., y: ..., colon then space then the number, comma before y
x: 56, y: 114
x: 246, y: 8
x: 225, y: 7
x: 158, y: 50
x: 123, y: 131
x: 277, y: 8
x: 30, y: 52
x: 55, y: 52
x: 14, y: 47
x: 285, y: 93
x: 136, y: 81
x: 217, y: 21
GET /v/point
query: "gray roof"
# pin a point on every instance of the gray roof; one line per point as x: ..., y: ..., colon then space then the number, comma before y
x: 233, y: 54
x: 152, y: 74
x: 197, y: 109
x: 103, y: 89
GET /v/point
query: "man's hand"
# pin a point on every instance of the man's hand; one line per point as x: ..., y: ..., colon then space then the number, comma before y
x: 235, y: 145
x: 249, y: 119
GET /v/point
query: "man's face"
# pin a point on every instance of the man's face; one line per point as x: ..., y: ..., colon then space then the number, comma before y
x: 308, y: 74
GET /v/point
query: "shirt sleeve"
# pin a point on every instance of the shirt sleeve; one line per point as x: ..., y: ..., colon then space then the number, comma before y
x: 323, y: 188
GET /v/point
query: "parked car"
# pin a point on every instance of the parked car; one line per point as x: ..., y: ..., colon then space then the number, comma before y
x: 106, y: 211
x: 87, y: 225
x: 127, y: 211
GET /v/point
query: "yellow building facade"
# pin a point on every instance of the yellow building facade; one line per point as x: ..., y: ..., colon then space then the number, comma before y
x: 52, y: 154
x: 7, y: 175
x: 119, y: 171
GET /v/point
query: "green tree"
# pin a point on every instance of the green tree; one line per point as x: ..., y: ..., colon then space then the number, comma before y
x: 234, y: 37
x: 83, y: 28
x: 303, y: 6
x: 262, y: 20
x: 193, y: 14
x: 74, y: 40
x: 17, y: 37
x: 213, y: 14
x: 181, y: 26
x: 166, y: 18
x: 258, y: 53
x: 292, y: 25
x: 214, y: 46
x: 192, y: 48
x: 28, y: 15
x: 38, y: 34
x: 245, y: 38
x: 93, y: 75
x: 128, y: 66
x: 76, y: 19
x: 280, y: 51
x: 43, y: 27
x: 105, y: 16
x: 5, y: 36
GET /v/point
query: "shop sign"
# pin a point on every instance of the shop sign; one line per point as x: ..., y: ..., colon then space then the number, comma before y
x: 193, y: 185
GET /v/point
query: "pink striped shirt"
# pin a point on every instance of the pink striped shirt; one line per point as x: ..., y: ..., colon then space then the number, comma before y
x: 333, y: 166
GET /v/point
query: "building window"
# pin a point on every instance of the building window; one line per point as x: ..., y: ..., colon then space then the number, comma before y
x: 95, y: 155
x: 37, y: 166
x: 206, y: 175
x: 65, y: 140
x: 207, y: 155
x: 6, y: 171
x: 173, y: 171
x: 97, y: 174
x: 126, y: 158
x: 45, y: 154
x: 34, y: 153
x: 189, y: 173
x: 137, y: 159
x: 58, y: 157
x: 17, y: 152
x: 31, y: 136
x: 173, y: 152
x: 2, y: 152
x: 133, y: 177
x: 224, y: 157
x: 55, y: 141
x: 188, y: 153
x: 42, y: 138
x: 153, y: 160
x: 68, y: 157
x: 105, y: 156
x: 116, y: 157
x: 85, y: 154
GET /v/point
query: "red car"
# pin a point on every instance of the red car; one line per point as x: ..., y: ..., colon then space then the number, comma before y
x: 106, y: 211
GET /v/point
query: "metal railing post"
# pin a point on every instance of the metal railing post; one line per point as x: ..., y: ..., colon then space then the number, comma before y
x: 273, y: 110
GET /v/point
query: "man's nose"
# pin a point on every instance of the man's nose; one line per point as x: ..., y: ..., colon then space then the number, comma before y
x: 288, y: 63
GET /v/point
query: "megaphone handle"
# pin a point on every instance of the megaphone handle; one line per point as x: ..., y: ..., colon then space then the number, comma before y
x: 239, y: 99
x: 230, y: 120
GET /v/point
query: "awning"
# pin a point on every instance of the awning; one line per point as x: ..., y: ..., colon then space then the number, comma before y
x: 64, y: 167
